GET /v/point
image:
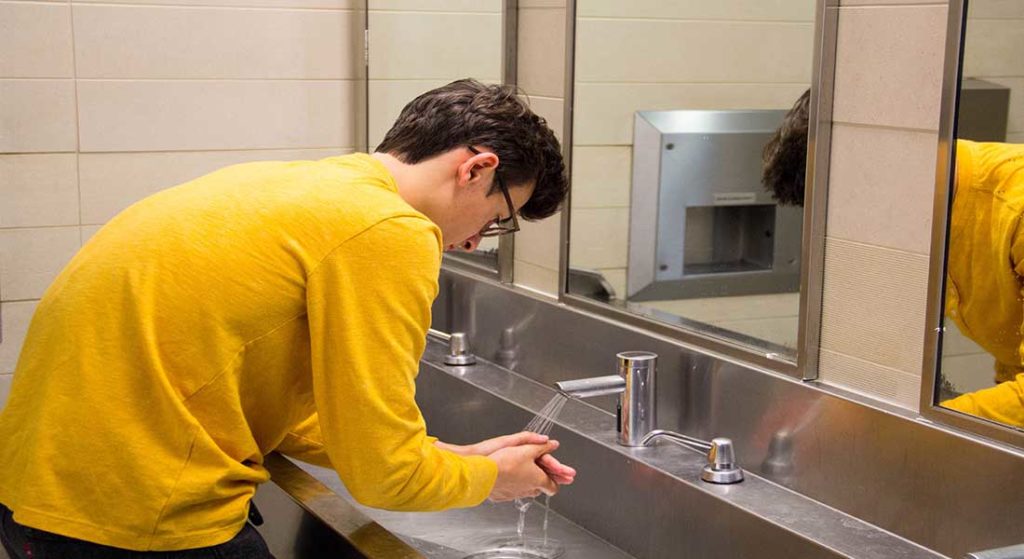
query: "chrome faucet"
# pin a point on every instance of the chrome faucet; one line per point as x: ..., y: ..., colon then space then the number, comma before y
x: 721, y: 468
x: 637, y: 413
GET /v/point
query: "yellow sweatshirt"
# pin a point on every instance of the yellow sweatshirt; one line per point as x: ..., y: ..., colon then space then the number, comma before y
x: 984, y: 271
x: 266, y: 306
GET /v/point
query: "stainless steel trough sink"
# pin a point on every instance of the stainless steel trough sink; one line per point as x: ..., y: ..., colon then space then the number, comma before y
x: 640, y: 502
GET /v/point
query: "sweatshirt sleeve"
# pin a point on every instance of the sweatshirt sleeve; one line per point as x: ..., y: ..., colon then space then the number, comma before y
x: 368, y: 304
x: 305, y: 442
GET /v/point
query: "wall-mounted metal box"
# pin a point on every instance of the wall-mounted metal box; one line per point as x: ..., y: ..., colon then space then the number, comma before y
x: 701, y: 223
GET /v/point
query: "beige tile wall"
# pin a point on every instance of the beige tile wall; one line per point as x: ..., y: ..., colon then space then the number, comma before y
x: 38, y: 165
x: 103, y: 103
x: 886, y: 112
x: 417, y: 46
x: 541, y: 76
x: 735, y: 54
x: 994, y: 43
x: 16, y: 317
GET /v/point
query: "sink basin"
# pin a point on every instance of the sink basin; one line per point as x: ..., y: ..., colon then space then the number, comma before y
x: 640, y: 502
x: 479, y: 532
x: 648, y: 502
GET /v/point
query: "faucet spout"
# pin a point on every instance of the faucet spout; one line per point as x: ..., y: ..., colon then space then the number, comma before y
x: 591, y: 387
x: 634, y: 383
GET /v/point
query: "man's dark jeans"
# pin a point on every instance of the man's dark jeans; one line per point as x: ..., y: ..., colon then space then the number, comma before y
x: 22, y: 542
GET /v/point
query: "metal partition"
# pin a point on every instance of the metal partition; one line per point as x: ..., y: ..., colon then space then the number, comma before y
x: 360, y: 35
x: 509, y: 76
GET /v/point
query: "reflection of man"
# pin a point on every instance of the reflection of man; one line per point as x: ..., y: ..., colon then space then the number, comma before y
x: 985, y: 269
x: 268, y: 306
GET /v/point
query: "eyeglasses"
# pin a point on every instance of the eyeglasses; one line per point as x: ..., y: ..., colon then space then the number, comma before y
x: 500, y: 226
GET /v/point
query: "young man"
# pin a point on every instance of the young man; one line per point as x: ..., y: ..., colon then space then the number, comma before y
x: 268, y: 306
x: 985, y: 271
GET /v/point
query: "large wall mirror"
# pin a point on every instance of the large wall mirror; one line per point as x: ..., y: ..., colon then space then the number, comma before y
x: 669, y: 220
x: 433, y: 51
x: 979, y: 370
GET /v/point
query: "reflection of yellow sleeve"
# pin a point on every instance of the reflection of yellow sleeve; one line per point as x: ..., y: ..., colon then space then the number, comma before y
x: 1007, y: 371
x: 1003, y: 403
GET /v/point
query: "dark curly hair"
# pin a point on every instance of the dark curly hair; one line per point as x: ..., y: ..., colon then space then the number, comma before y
x: 469, y: 113
x: 785, y: 156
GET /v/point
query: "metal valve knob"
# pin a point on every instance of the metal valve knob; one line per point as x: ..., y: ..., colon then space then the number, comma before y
x: 458, y: 351
x: 722, y: 467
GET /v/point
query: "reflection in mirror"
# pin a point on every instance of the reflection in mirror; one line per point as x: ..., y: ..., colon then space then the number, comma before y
x: 441, y: 42
x: 674, y: 103
x: 983, y: 345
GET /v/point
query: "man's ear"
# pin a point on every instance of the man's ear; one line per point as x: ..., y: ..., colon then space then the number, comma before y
x: 477, y: 166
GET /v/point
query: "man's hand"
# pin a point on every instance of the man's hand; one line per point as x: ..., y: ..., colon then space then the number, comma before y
x: 490, y: 446
x: 519, y: 475
x: 558, y: 472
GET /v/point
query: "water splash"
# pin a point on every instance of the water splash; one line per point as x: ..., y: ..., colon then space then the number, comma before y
x: 547, y: 509
x: 522, y: 505
x: 523, y: 546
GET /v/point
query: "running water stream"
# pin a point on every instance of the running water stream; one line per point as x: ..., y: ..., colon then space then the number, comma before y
x: 522, y: 547
x: 540, y: 424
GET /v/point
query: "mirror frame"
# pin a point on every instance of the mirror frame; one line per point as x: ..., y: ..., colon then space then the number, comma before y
x: 812, y: 265
x: 944, y: 169
x: 361, y: 41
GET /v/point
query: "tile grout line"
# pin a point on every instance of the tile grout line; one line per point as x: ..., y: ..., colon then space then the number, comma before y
x: 178, y: 151
x: 863, y: 244
x: 214, y: 6
x: 215, y: 79
x: 891, y: 127
x: 893, y: 5
x: 697, y: 20
x: 78, y: 118
x: 35, y: 227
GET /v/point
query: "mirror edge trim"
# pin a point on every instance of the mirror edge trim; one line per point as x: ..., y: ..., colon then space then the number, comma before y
x: 819, y: 150
x: 568, y: 101
x: 509, y: 76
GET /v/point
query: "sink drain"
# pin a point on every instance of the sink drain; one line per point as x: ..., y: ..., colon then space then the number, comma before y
x: 504, y: 554
x: 507, y: 553
x: 519, y: 550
